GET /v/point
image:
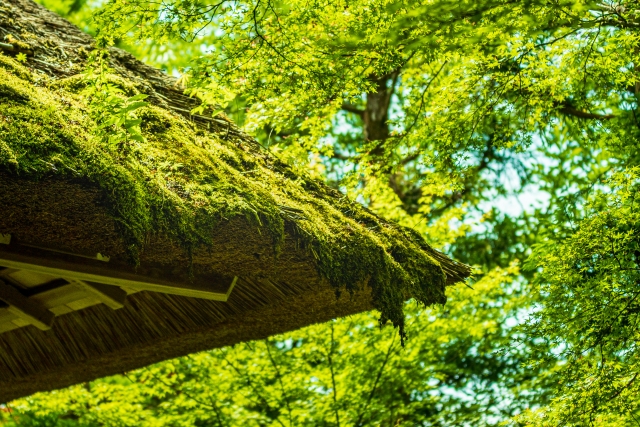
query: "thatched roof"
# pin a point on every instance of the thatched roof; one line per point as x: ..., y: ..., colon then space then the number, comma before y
x: 195, y: 239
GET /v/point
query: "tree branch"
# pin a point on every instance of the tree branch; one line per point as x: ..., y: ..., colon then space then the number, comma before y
x: 284, y: 392
x: 271, y: 131
x: 333, y: 378
x: 375, y: 384
x: 572, y: 111
x: 252, y: 385
x: 352, y: 109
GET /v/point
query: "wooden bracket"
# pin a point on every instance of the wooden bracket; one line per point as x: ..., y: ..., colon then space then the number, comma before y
x: 112, y: 296
x: 29, y: 311
x: 90, y: 272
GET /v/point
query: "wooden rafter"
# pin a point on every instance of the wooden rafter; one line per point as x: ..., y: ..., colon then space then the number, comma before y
x: 88, y: 272
x: 28, y: 310
x: 37, y: 284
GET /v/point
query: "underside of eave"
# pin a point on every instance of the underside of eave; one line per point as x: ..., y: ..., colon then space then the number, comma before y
x: 172, y: 326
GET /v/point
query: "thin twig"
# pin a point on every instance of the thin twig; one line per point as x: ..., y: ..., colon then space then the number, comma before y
x: 333, y: 378
x: 375, y: 384
x: 279, y: 377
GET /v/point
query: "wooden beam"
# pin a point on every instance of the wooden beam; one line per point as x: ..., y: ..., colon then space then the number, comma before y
x: 60, y: 295
x: 112, y: 296
x: 97, y: 257
x: 186, y: 292
x: 99, y: 273
x: 6, y: 320
x: 5, y: 271
x: 30, y: 311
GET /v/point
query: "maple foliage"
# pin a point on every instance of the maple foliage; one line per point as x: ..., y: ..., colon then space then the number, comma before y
x: 504, y: 131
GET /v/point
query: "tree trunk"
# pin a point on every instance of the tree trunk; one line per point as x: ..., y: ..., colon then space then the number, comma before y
x: 376, y: 114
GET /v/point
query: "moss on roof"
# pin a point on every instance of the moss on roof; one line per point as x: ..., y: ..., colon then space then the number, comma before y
x: 182, y: 181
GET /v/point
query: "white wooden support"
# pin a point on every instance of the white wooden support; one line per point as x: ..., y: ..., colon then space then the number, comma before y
x: 111, y: 276
x: 112, y: 296
x: 30, y: 311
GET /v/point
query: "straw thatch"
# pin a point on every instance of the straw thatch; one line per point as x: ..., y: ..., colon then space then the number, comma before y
x: 195, y: 239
